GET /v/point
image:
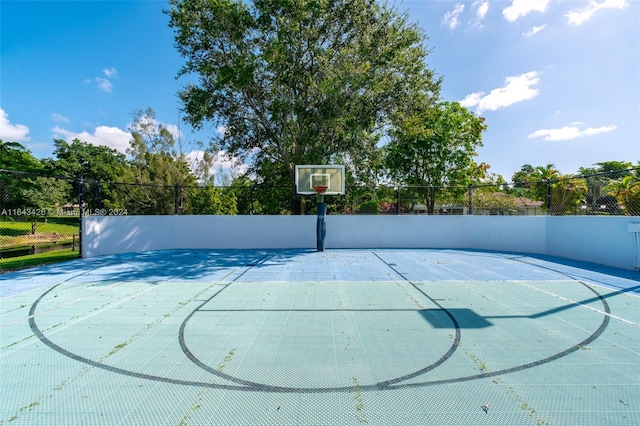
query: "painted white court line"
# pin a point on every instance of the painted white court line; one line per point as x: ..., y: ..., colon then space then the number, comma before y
x: 522, y: 283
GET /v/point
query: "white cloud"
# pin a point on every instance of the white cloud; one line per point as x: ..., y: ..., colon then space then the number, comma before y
x: 533, y: 31
x: 112, y: 137
x: 520, y: 8
x: 104, y: 84
x: 12, y: 132
x: 110, y: 72
x: 580, y: 16
x: 59, y: 118
x: 451, y: 18
x: 483, y: 8
x: 569, y: 132
x: 516, y: 89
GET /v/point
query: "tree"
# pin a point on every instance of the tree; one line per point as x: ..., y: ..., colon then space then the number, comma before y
x: 211, y: 200
x: 299, y: 81
x: 45, y: 195
x: 539, y: 180
x: 14, y: 156
x: 544, y: 173
x: 598, y: 178
x: 520, y: 181
x: 615, y: 169
x: 491, y: 181
x: 156, y: 179
x: 95, y: 164
x: 567, y: 194
x: 19, y: 165
x: 494, y: 203
x: 627, y: 192
x: 25, y: 188
x: 433, y: 150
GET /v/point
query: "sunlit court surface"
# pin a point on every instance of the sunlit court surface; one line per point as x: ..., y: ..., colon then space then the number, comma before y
x: 341, y: 337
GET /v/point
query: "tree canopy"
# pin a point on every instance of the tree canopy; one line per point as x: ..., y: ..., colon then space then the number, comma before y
x: 14, y: 156
x: 291, y: 82
x: 433, y: 151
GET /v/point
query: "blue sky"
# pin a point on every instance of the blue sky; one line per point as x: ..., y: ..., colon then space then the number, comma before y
x: 557, y: 81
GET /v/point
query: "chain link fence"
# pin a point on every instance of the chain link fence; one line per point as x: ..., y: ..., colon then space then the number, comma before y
x: 40, y: 215
x: 39, y: 220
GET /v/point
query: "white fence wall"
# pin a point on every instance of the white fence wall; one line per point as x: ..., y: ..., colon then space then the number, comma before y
x: 604, y: 240
x: 613, y: 241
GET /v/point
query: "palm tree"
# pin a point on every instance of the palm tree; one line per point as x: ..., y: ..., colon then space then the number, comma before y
x: 539, y: 179
x: 567, y: 194
x: 627, y: 192
x: 548, y: 172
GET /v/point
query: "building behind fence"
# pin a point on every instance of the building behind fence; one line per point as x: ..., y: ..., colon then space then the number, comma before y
x: 40, y: 214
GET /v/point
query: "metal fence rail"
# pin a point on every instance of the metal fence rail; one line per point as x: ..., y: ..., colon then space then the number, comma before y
x: 40, y: 215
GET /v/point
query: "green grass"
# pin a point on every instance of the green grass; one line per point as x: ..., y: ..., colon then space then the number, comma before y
x: 62, y: 226
x: 15, y: 235
x: 22, y: 262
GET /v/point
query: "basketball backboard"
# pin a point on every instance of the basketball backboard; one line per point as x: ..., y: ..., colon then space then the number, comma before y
x: 329, y: 176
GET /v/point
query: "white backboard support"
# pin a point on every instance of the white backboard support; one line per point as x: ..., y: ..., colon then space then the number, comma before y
x: 329, y: 176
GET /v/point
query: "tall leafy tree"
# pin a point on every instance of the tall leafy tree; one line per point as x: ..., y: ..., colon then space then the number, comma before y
x: 299, y: 81
x: 25, y: 188
x: 433, y: 151
x: 14, y: 156
x: 19, y: 163
x: 615, y: 169
x: 45, y: 195
x: 158, y: 175
x: 211, y: 200
x: 82, y: 159
x: 599, y: 177
x: 520, y: 180
x: 95, y: 164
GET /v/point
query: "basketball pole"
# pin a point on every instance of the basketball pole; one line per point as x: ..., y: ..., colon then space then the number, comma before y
x: 321, y: 224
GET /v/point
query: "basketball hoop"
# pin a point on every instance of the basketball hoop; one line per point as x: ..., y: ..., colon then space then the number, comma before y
x: 320, y: 189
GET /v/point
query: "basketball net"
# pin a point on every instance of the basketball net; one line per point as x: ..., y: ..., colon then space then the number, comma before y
x: 320, y: 190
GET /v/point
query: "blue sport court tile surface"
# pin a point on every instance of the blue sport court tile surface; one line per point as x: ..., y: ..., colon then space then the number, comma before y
x: 298, y: 337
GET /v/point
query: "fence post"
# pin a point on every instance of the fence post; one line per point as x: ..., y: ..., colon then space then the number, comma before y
x: 80, y: 214
x: 98, y: 195
x: 175, y: 199
x: 470, y: 199
x: 397, y: 200
x: 596, y: 194
x: 251, y: 199
x: 548, y: 196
